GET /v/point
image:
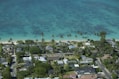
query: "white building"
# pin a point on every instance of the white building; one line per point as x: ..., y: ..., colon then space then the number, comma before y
x: 29, y: 58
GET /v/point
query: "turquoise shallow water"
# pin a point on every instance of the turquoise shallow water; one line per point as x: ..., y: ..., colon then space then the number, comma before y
x: 26, y: 19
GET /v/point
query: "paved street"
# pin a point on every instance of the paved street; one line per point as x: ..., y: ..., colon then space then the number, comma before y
x: 102, y: 67
x: 13, y: 66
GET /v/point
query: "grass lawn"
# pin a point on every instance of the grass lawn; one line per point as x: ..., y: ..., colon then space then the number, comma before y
x: 71, y: 57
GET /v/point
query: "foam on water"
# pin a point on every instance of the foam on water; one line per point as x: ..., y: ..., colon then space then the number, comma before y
x: 26, y: 19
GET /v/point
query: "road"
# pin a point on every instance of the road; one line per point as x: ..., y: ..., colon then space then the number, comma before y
x: 103, y: 68
x: 13, y: 66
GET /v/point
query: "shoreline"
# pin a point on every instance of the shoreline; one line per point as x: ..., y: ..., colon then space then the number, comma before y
x: 15, y: 41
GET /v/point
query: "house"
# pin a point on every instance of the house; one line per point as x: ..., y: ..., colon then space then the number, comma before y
x: 48, y: 78
x: 23, y: 69
x: 89, y: 76
x: 94, y: 66
x: 28, y: 78
x: 76, y: 65
x: 65, y: 61
x: 29, y: 58
x: 3, y: 61
x: 72, y: 62
x: 43, y: 59
x: 51, y: 72
x: 54, y: 56
x: 111, y: 42
x: 71, y: 46
x: 8, y: 48
x: 19, y: 49
x: 60, y: 62
x: 25, y: 66
x: 71, y: 75
x: 68, y: 54
x: 36, y: 57
x: 88, y: 44
x: 40, y: 58
x: 86, y: 60
x: 84, y: 70
x: 49, y: 48
x: 117, y: 61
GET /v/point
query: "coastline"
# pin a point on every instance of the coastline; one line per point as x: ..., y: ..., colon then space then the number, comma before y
x: 15, y: 41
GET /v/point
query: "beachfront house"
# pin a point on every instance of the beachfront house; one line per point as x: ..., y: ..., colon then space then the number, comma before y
x: 88, y: 44
x: 111, y: 42
x: 8, y: 48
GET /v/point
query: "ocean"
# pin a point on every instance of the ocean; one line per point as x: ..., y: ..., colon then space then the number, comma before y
x: 58, y: 19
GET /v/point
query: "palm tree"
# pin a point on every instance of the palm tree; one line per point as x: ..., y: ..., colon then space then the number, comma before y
x: 103, y: 36
x: 43, y: 40
x: 10, y: 40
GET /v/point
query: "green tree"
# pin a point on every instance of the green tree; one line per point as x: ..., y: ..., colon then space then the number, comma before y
x: 22, y: 74
x: 35, y: 50
x: 6, y: 73
x: 114, y: 76
x: 9, y: 59
x: 19, y: 56
x: 66, y: 67
x: 10, y: 40
x: 56, y: 68
x: 39, y: 66
x: 1, y: 53
x: 40, y: 71
x: 20, y: 42
x: 103, y: 36
x: 28, y: 42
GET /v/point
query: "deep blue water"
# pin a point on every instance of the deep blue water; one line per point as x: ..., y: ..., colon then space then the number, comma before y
x: 26, y: 19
